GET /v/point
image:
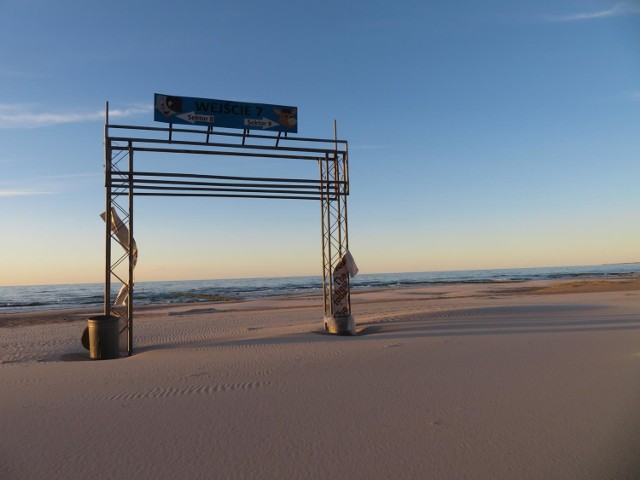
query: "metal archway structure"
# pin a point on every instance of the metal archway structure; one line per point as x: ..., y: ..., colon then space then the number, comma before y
x: 124, y: 182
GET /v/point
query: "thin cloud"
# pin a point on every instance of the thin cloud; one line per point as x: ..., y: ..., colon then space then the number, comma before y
x: 22, y: 193
x: 618, y: 10
x: 66, y: 176
x: 46, y: 184
x: 24, y: 116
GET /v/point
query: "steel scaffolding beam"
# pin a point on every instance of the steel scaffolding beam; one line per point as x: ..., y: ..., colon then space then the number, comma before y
x: 123, y: 182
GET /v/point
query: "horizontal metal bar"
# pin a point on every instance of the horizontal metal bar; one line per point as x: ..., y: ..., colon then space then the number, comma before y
x: 323, y: 151
x: 280, y: 197
x: 329, y: 194
x: 218, y: 189
x: 137, y: 182
x: 212, y: 177
x: 124, y: 182
x: 226, y: 134
x: 333, y: 198
x: 216, y: 152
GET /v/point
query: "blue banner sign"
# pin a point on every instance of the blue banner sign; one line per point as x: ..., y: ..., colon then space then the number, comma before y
x: 225, y: 113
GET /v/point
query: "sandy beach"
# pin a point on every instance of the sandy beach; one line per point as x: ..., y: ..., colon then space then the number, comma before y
x: 535, y: 380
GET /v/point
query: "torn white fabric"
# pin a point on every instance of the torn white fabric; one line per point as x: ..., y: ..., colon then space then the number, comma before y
x: 121, y: 232
x: 351, y: 264
x: 121, y: 305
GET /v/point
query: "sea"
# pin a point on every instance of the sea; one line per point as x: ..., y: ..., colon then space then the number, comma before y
x: 50, y: 297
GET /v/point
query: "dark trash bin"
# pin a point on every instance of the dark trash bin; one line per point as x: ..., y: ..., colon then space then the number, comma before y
x: 104, y: 337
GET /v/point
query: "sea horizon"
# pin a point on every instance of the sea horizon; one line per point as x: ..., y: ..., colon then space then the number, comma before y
x: 598, y: 265
x: 29, y: 298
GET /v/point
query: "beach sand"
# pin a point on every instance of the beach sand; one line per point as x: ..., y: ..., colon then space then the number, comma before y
x: 536, y: 380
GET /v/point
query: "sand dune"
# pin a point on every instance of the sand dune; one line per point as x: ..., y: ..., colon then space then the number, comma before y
x: 526, y: 381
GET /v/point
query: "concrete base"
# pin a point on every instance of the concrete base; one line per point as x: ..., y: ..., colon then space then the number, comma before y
x: 340, y: 325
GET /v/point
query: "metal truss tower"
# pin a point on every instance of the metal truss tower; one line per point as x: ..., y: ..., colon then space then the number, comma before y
x: 334, y: 175
x: 118, y: 217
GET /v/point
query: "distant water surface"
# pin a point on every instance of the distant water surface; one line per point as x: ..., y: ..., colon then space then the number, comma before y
x: 47, y: 297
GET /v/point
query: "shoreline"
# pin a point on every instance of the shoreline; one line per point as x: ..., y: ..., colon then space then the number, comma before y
x: 534, y: 287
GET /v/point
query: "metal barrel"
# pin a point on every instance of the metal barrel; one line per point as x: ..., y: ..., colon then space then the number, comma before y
x: 104, y: 337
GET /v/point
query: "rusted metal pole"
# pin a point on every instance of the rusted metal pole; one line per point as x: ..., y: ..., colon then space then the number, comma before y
x: 107, y: 218
x: 336, y: 179
x: 131, y: 257
x: 323, y: 237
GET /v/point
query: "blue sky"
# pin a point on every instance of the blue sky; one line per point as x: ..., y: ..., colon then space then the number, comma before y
x: 482, y: 134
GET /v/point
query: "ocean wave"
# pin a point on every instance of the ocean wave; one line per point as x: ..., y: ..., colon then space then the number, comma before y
x: 21, y: 305
x: 55, y: 297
